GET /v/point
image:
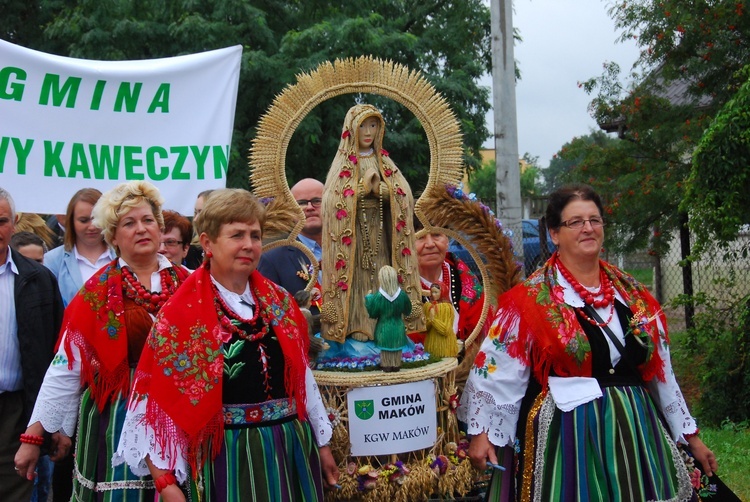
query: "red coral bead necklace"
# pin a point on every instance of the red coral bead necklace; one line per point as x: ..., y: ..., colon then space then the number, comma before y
x: 152, y: 301
x: 606, y: 292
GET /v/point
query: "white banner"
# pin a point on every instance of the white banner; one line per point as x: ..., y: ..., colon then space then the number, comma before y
x: 67, y: 124
x: 392, y: 419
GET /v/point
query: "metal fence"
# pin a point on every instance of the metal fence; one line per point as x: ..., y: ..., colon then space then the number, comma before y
x: 721, y: 273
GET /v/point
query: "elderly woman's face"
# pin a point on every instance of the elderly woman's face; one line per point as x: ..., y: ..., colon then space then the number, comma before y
x: 579, y: 243
x: 137, y: 233
x: 431, y: 250
x: 236, y: 250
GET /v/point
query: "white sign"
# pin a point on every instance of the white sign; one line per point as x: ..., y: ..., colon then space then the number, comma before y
x: 392, y: 419
x: 67, y: 124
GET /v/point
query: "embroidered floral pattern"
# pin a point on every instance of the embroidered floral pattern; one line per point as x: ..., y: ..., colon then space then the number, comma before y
x: 192, y: 370
x: 484, y: 367
x: 232, y: 369
x: 546, y: 321
x: 241, y: 414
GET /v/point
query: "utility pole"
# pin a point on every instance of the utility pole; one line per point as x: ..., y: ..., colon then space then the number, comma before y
x: 508, y: 175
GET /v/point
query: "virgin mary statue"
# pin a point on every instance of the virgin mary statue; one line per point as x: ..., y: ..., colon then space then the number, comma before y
x: 367, y: 223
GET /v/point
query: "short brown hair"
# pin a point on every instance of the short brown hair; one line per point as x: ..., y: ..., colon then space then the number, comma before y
x: 173, y: 219
x: 228, y: 205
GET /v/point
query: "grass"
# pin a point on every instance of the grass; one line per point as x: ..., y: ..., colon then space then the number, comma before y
x: 643, y: 275
x: 730, y: 442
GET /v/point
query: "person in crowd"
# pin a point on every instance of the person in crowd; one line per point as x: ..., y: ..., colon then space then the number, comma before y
x: 103, y: 333
x: 194, y: 257
x: 458, y: 284
x: 33, y: 247
x: 31, y: 313
x: 289, y: 267
x: 224, y: 403
x: 576, y: 367
x: 388, y: 306
x: 56, y: 223
x: 367, y: 223
x: 30, y: 245
x: 175, y: 239
x: 440, y: 340
x: 83, y: 253
x: 32, y: 222
x: 84, y: 250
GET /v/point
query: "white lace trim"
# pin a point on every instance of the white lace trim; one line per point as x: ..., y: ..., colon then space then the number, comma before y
x: 105, y: 486
x: 57, y: 403
x: 482, y: 414
x: 316, y: 411
x: 137, y: 440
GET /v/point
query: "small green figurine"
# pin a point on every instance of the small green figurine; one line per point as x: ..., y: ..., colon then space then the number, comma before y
x: 388, y: 306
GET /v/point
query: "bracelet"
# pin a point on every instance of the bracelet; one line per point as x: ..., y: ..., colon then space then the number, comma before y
x: 692, y: 434
x: 164, y: 481
x: 32, y: 439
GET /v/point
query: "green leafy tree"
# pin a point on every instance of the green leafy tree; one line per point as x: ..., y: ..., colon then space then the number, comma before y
x: 531, y: 175
x: 690, y: 51
x: 570, y: 157
x: 719, y: 186
x: 483, y: 182
x: 449, y: 41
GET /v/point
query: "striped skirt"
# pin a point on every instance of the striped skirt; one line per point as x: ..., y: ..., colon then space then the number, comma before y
x: 94, y: 479
x: 274, y: 463
x: 611, y: 449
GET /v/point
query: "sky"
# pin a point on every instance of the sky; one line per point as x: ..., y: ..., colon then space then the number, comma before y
x: 564, y: 42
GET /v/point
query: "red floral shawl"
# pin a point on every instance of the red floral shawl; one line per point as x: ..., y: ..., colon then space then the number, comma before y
x: 549, y: 334
x: 182, y: 365
x: 94, y: 322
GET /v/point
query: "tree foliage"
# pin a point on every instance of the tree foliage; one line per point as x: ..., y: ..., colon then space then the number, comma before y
x: 449, y: 41
x: 570, y: 157
x: 690, y: 50
x: 719, y: 188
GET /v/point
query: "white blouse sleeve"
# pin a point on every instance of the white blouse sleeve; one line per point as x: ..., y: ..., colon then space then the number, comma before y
x: 137, y: 441
x: 492, y: 397
x: 668, y: 397
x: 316, y: 411
x: 57, y: 403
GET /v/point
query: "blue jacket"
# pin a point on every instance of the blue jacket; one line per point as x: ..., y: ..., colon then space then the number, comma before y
x: 65, y: 267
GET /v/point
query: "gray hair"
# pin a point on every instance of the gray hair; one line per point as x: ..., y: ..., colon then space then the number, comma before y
x: 5, y: 195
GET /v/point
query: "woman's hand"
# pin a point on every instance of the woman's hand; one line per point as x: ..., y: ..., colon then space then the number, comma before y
x: 328, y: 466
x: 60, y: 446
x: 172, y: 493
x: 27, y: 455
x: 26, y: 459
x: 481, y: 450
x: 703, y: 455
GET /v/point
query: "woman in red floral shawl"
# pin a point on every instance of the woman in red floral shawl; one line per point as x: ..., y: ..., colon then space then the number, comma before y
x: 224, y: 406
x: 104, y: 329
x: 575, y: 374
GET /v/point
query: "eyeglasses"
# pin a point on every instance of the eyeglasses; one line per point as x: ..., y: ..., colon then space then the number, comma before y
x: 171, y: 243
x: 577, y: 223
x: 315, y: 202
